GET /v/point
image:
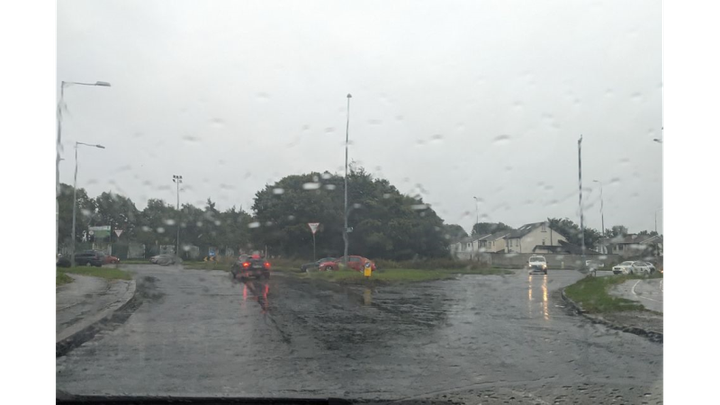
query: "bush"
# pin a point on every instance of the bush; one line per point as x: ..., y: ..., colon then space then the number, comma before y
x: 429, y: 264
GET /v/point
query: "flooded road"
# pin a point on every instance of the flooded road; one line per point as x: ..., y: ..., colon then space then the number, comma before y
x: 475, y: 339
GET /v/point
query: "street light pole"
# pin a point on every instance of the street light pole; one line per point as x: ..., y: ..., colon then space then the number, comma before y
x: 72, y: 254
x: 177, y: 180
x: 602, y: 214
x: 345, y: 230
x: 582, y: 226
x: 477, y: 218
x: 58, y: 146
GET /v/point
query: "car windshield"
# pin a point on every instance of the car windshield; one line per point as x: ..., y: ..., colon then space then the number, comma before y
x: 477, y: 169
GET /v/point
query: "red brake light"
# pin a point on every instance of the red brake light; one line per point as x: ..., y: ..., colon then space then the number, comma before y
x: 246, y: 264
x: 267, y: 265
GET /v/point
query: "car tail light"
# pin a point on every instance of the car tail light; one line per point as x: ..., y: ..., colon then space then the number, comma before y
x: 246, y: 264
x: 267, y: 265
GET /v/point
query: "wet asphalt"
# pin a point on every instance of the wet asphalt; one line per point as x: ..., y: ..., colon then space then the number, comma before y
x: 476, y: 339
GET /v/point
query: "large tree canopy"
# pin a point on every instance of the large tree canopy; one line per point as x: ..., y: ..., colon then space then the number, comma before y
x: 484, y: 228
x: 385, y: 223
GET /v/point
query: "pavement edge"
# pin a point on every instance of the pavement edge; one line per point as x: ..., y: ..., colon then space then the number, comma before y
x: 64, y: 346
x: 656, y: 337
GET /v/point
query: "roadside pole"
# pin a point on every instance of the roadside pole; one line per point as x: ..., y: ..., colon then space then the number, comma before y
x: 313, y: 228
x: 582, y: 226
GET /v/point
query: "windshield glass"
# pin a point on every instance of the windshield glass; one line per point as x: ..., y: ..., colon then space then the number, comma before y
x: 382, y: 201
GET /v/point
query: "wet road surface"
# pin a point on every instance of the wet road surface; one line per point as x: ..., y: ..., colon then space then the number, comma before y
x: 477, y: 339
x: 647, y: 292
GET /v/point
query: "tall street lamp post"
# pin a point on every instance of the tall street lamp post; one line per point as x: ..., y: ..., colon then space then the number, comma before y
x: 345, y: 230
x: 177, y: 180
x: 602, y: 214
x: 77, y: 144
x: 59, y: 146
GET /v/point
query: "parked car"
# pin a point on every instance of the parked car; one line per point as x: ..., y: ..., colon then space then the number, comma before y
x: 62, y: 261
x: 632, y: 267
x: 316, y: 264
x: 651, y: 266
x: 356, y: 263
x: 90, y: 258
x: 165, y: 259
x: 594, y: 264
x: 111, y: 260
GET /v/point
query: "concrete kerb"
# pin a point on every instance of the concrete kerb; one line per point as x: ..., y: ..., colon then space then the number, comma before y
x: 651, y: 335
x: 77, y: 338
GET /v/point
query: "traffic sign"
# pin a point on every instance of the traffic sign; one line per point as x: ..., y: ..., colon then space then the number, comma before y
x: 118, y: 232
x: 313, y: 226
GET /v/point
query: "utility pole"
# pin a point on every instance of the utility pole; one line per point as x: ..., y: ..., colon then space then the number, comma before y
x: 582, y: 226
x: 345, y: 230
x: 602, y: 214
x: 72, y: 235
x: 58, y: 147
x: 177, y: 180
x: 477, y: 218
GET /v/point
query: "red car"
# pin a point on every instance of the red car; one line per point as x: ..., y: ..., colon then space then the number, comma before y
x: 356, y: 263
x: 111, y: 260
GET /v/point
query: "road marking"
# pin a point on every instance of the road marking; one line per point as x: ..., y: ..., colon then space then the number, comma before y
x: 640, y: 296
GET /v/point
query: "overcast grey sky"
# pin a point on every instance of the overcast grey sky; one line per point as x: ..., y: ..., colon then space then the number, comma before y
x: 450, y: 99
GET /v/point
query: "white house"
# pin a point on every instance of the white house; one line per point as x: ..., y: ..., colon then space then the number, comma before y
x: 527, y: 237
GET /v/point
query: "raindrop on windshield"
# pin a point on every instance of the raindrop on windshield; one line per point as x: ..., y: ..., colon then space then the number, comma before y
x: 330, y: 186
x: 311, y: 186
x: 169, y: 222
x: 278, y: 190
x: 254, y: 224
x: 501, y: 140
x: 160, y: 229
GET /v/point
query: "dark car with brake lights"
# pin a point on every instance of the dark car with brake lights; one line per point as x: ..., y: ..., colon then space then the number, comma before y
x: 253, y: 266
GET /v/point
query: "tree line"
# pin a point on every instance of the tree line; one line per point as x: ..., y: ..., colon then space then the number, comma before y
x: 384, y: 222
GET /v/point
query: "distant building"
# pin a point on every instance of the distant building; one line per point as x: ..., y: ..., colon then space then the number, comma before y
x: 531, y: 238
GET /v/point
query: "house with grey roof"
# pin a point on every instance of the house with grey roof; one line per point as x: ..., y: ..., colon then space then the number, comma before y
x: 529, y: 236
x: 633, y: 245
x: 491, y: 243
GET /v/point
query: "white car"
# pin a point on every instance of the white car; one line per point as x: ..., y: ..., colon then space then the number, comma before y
x: 632, y: 267
x: 537, y: 263
x: 594, y: 264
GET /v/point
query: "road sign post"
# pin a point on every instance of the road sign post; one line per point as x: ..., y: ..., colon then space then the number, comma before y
x: 313, y: 228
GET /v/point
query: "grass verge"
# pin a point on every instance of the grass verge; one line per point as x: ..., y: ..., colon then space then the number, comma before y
x: 397, y: 275
x: 102, y: 272
x: 135, y: 261
x: 591, y: 293
x: 62, y: 278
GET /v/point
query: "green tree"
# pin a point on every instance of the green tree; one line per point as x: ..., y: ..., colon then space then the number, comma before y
x: 454, y: 232
x: 571, y: 231
x: 484, y: 228
x: 617, y: 230
x: 386, y: 224
x: 117, y: 211
x: 85, y: 210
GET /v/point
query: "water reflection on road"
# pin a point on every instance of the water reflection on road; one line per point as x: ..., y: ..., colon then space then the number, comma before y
x: 258, y: 291
x: 542, y: 302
